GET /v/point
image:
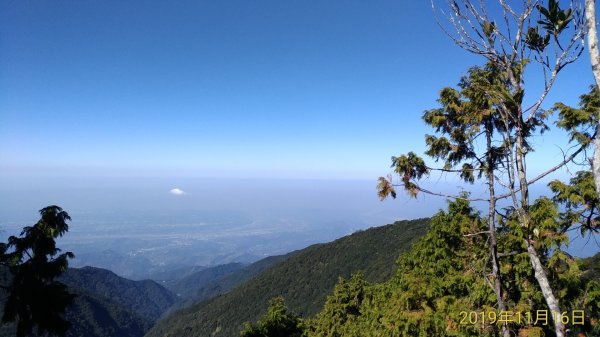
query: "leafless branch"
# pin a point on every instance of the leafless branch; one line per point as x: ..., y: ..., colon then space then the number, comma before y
x: 508, y: 254
x: 450, y: 196
x: 475, y: 234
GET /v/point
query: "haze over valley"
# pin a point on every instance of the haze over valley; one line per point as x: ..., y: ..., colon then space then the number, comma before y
x: 138, y: 227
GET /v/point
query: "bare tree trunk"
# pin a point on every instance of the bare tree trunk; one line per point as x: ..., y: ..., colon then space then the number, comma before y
x: 494, y: 254
x: 596, y: 159
x: 592, y: 37
x: 492, y: 229
x: 495, y: 264
x: 536, y: 263
x: 551, y: 301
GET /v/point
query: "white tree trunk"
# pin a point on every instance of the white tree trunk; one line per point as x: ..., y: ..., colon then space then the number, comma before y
x: 592, y: 38
x: 551, y: 301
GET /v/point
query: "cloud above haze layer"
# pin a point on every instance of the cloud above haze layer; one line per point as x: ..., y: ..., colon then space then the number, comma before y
x: 177, y: 191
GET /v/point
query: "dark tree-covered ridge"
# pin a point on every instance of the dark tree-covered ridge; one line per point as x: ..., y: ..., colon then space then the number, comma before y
x: 34, y: 298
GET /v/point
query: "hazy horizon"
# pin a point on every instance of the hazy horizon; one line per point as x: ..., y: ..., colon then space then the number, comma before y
x: 226, y: 130
x: 201, y: 221
x: 135, y: 226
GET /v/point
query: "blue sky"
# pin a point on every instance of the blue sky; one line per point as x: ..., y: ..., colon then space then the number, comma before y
x: 96, y: 94
x: 244, y: 89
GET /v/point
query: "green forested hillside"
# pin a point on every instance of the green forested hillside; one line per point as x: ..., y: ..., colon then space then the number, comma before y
x: 214, y: 281
x: 187, y: 286
x: 93, y: 316
x: 304, y: 280
x: 97, y: 316
x: 591, y: 266
x: 145, y: 298
x: 106, y: 305
x: 438, y: 290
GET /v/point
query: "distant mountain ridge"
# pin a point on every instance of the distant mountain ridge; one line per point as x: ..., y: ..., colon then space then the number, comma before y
x: 230, y: 281
x: 187, y: 286
x: 107, y: 305
x: 146, y: 298
x: 214, y: 281
x: 96, y: 316
x: 304, y: 279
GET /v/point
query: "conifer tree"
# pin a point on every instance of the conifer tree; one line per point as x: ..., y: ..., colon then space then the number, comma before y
x: 438, y: 290
x: 35, y: 298
x: 478, y: 110
x: 342, y: 309
x: 551, y: 38
x: 277, y: 322
x: 435, y: 281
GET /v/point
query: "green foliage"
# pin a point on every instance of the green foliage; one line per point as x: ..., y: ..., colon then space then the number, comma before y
x: 488, y: 105
x: 277, y: 322
x: 385, y: 188
x: 546, y: 232
x: 409, y: 167
x: 555, y: 20
x: 436, y: 280
x: 443, y: 275
x: 489, y: 28
x: 545, y: 228
x: 591, y: 267
x: 581, y: 291
x: 35, y: 299
x: 580, y: 123
x: 581, y: 202
x: 464, y: 116
x: 536, y: 41
x: 589, y: 300
x: 342, y: 309
x: 440, y: 277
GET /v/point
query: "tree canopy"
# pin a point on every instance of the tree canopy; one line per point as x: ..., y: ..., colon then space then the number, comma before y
x: 486, y: 130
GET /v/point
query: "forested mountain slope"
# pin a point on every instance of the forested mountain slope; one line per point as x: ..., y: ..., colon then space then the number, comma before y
x: 214, y: 281
x: 145, y: 298
x: 107, y: 305
x: 187, y: 286
x: 438, y: 283
x: 304, y: 280
x: 591, y: 267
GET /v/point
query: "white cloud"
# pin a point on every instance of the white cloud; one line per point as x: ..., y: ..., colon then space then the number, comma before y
x: 177, y: 191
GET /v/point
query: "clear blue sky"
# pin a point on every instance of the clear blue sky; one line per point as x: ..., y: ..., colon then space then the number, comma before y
x: 286, y: 89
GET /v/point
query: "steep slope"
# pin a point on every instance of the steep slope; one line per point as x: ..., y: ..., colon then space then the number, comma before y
x: 145, y: 298
x: 93, y: 316
x: 199, y: 287
x: 187, y: 286
x: 591, y: 267
x: 96, y: 316
x: 132, y: 267
x: 304, y: 280
x: 174, y: 273
x: 106, y: 304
